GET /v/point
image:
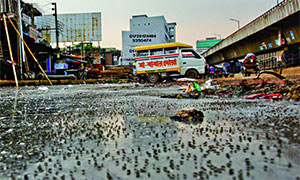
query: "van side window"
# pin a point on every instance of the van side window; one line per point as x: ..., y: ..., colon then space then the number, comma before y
x: 154, y: 52
x: 142, y: 53
x: 171, y: 50
x: 189, y: 54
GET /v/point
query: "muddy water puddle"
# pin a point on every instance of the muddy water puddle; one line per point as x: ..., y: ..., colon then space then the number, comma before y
x: 124, y: 132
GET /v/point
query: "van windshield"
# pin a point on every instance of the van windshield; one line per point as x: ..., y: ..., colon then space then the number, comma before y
x: 189, y: 54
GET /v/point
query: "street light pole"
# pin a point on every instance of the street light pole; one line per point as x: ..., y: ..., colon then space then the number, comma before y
x: 236, y: 20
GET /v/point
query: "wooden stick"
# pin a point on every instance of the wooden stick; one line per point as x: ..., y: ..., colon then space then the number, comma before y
x: 26, y: 62
x: 10, y: 51
x: 30, y: 52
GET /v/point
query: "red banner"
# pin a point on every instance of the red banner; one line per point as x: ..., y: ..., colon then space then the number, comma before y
x: 152, y: 64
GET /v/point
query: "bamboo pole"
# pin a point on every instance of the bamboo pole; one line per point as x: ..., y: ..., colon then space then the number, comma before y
x: 26, y: 62
x: 30, y: 52
x: 10, y: 51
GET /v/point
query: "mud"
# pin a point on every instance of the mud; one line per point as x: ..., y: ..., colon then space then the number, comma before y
x: 125, y: 132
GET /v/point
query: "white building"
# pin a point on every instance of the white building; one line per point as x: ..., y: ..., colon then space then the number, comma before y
x: 146, y: 30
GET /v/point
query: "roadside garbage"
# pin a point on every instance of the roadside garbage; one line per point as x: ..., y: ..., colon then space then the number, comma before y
x: 188, y: 116
x: 186, y: 80
x: 246, y: 89
x: 43, y: 88
x: 255, y: 96
x: 195, y: 86
x: 272, y: 96
x: 294, y: 93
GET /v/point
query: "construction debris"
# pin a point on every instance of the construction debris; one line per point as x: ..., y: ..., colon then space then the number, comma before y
x: 247, y: 89
x: 294, y: 93
x: 188, y: 116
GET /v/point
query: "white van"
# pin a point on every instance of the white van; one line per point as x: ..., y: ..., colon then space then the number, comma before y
x: 171, y: 58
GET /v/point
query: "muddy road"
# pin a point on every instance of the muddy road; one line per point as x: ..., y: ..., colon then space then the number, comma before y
x: 124, y: 132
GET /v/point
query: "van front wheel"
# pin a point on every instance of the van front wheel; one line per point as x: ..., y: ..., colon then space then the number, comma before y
x: 192, y: 73
x: 153, y: 78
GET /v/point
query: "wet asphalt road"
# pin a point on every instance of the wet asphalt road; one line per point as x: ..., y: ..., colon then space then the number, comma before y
x: 124, y: 132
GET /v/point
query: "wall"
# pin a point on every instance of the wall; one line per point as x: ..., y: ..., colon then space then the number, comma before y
x: 144, y: 31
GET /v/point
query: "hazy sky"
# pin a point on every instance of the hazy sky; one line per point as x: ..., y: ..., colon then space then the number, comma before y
x: 196, y: 19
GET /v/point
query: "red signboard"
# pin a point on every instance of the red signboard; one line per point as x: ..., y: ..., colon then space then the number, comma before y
x: 163, y: 63
x: 33, y: 33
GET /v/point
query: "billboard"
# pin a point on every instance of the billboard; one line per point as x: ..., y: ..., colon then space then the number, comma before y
x: 72, y: 27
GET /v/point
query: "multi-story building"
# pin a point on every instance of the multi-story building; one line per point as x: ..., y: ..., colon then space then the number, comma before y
x: 146, y: 30
x: 43, y: 53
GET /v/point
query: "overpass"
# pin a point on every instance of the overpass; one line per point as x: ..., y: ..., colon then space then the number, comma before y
x: 275, y: 30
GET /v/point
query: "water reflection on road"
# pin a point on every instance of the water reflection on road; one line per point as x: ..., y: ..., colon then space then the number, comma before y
x: 124, y: 132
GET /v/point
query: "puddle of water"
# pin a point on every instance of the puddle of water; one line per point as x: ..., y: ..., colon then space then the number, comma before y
x: 124, y: 132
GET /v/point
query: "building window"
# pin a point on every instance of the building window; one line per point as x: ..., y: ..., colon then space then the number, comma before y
x: 148, y: 24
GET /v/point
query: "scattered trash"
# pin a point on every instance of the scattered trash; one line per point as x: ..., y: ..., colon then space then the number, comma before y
x: 186, y: 80
x: 272, y: 96
x: 195, y: 86
x: 43, y: 88
x: 246, y: 89
x: 294, y: 93
x: 188, y: 116
x: 255, y: 96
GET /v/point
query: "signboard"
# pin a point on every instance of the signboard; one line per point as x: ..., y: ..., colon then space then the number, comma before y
x: 115, y: 58
x: 137, y: 38
x: 148, y: 65
x: 33, y: 33
x: 72, y: 27
x: 60, y: 66
x: 26, y: 19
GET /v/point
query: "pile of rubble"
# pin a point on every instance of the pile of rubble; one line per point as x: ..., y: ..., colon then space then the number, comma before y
x: 188, y: 116
x: 248, y: 89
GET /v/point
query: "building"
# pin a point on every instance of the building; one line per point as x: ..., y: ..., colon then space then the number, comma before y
x: 146, y: 30
x: 110, y: 56
x: 25, y: 63
x: 204, y: 45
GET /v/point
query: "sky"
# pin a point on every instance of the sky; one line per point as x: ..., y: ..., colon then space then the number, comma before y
x: 196, y: 19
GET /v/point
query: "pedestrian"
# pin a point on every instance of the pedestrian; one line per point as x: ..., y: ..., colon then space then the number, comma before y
x: 250, y: 64
x: 212, y: 72
x: 226, y: 70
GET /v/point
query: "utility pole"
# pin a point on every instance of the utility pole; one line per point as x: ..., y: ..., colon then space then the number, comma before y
x: 22, y: 54
x: 56, y: 24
